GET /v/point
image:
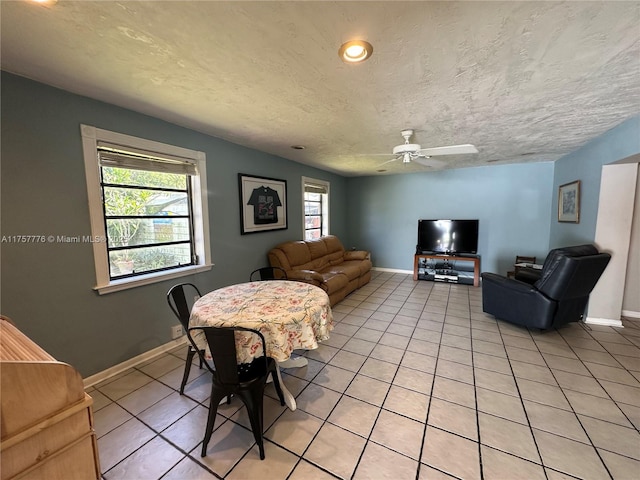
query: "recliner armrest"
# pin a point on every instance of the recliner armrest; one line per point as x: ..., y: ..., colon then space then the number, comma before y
x: 528, y: 275
x: 516, y: 301
x: 356, y: 255
x: 309, y: 276
x: 508, y: 283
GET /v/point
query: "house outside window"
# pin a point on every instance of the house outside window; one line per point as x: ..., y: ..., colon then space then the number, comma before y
x: 148, y: 209
x: 315, y: 208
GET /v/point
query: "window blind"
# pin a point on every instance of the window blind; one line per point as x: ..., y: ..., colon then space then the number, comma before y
x: 315, y: 188
x: 110, y: 156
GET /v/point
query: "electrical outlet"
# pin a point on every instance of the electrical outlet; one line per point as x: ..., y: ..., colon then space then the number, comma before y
x: 176, y: 331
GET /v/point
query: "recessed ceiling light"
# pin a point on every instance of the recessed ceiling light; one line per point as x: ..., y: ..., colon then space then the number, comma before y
x: 46, y: 3
x: 355, y: 51
x: 298, y: 147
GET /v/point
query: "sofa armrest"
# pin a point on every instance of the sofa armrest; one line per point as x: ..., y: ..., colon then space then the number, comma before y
x: 356, y: 255
x: 308, y: 276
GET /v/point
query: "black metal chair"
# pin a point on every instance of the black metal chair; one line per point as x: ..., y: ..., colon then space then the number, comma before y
x: 268, y: 273
x: 548, y: 298
x: 247, y: 381
x: 181, y: 307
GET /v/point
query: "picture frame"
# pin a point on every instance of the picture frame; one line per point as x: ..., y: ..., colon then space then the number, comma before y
x: 569, y: 202
x: 263, y: 204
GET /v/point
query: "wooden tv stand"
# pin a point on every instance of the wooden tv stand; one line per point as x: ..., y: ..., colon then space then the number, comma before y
x: 448, y: 258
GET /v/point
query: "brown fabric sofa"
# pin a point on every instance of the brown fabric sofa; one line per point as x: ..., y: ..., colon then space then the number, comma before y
x: 324, y: 263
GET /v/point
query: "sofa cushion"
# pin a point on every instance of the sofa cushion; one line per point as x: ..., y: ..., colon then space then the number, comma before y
x: 351, y: 271
x: 318, y: 251
x: 335, y: 250
x: 317, y: 248
x: 363, y: 266
x: 333, y: 281
x: 297, y: 253
x: 333, y: 243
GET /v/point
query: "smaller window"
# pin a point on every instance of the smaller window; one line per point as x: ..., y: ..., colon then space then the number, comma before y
x: 315, y: 208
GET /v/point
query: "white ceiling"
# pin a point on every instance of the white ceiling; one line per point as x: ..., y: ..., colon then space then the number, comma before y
x: 523, y: 81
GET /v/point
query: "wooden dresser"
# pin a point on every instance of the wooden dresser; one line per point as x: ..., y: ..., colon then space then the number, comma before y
x: 46, y: 420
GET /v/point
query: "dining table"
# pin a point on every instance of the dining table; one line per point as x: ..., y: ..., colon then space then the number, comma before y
x: 290, y: 315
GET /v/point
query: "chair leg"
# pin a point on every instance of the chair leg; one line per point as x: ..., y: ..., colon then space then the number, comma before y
x: 253, y: 400
x: 187, y: 368
x: 216, y: 397
x: 200, y: 357
x: 276, y: 384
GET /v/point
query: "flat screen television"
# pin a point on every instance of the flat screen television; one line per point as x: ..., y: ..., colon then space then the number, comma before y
x: 448, y: 236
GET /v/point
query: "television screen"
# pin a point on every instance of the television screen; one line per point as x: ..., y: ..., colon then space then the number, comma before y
x: 448, y: 236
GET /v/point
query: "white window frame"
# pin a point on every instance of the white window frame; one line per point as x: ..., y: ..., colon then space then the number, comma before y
x: 325, y: 205
x: 90, y: 138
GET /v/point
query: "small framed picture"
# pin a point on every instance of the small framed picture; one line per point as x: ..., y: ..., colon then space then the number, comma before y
x: 569, y: 202
x: 263, y: 204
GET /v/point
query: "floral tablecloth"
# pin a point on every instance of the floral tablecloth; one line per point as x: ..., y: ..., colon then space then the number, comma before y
x: 290, y: 315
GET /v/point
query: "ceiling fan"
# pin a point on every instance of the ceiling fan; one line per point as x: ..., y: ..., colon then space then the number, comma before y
x: 412, y: 152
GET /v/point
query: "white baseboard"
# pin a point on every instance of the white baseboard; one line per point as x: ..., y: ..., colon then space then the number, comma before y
x: 608, y: 322
x: 391, y: 270
x: 121, y: 367
x: 630, y: 314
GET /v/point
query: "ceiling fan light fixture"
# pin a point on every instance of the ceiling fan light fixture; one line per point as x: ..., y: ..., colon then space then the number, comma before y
x: 406, y: 148
x: 355, y: 51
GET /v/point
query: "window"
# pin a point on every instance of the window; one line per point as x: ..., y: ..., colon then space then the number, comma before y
x: 316, y: 208
x: 148, y: 209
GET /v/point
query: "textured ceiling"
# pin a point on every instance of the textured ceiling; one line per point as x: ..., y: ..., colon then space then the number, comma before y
x: 523, y: 81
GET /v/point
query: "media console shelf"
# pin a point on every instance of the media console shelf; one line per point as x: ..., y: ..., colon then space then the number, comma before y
x: 447, y: 268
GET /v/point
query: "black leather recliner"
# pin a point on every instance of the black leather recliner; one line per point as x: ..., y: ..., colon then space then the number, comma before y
x: 556, y: 295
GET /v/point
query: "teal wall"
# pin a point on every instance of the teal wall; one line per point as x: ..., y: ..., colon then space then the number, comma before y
x: 47, y: 288
x: 585, y: 164
x: 516, y: 204
x: 512, y: 203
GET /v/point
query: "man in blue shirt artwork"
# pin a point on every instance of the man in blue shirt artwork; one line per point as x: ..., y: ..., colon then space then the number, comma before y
x: 265, y: 201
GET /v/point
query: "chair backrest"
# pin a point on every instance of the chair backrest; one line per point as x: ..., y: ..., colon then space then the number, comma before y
x: 181, y: 298
x: 268, y: 273
x: 222, y: 345
x: 572, y: 272
x: 575, y: 251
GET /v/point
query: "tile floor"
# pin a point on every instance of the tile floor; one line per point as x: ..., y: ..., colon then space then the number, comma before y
x: 415, y: 383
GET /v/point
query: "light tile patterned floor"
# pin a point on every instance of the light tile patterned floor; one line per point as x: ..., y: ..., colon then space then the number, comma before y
x: 415, y: 383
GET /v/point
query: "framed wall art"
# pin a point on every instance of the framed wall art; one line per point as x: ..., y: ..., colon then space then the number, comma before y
x: 263, y: 204
x: 569, y: 202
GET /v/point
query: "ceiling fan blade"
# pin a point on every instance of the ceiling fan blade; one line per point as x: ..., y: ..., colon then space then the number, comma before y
x: 428, y: 162
x: 388, y: 161
x: 450, y: 150
x: 371, y: 155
